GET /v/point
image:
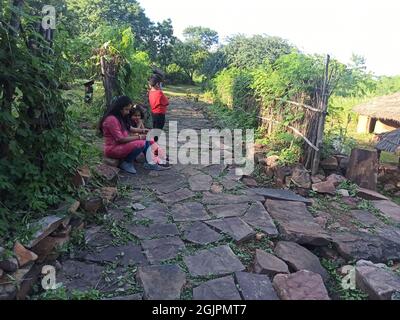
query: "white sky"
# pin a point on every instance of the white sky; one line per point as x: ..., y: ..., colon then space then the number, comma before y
x: 340, y: 27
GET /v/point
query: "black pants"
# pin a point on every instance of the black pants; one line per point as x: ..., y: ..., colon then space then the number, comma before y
x: 158, y: 121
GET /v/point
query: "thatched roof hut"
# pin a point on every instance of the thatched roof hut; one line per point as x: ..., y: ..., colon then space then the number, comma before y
x: 379, y: 115
x: 389, y: 142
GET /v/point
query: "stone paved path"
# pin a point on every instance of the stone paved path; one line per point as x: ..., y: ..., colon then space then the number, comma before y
x: 196, y: 237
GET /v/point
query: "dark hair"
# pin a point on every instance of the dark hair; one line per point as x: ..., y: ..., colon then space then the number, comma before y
x: 155, y: 79
x: 115, y: 109
x: 137, y: 108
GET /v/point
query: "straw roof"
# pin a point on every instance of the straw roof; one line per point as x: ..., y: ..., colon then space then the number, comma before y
x: 389, y: 141
x: 385, y: 107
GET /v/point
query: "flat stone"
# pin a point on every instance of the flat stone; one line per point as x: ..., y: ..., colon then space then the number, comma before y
x: 107, y: 172
x: 156, y: 213
x: 214, y: 170
x: 296, y: 223
x: 325, y: 187
x: 302, y: 285
x: 44, y: 227
x: 330, y: 163
x: 156, y: 230
x: 162, y: 249
x: 177, y: 196
x: 216, y: 261
x: 189, y: 211
x: 370, y: 194
x: 234, y: 227
x: 11, y: 286
x: 224, y: 198
x: 200, y: 182
x: 230, y: 184
x: 199, y: 233
x: 23, y: 255
x: 279, y: 194
x: 266, y: 263
x: 301, y: 177
x: 218, y: 289
x: 109, y: 193
x: 366, y: 218
x: 249, y: 182
x: 125, y: 255
x: 76, y: 275
x: 161, y: 282
x: 382, y: 245
x: 257, y: 217
x: 228, y: 210
x: 138, y: 207
x: 168, y: 186
x: 378, y: 282
x: 255, y: 286
x: 97, y: 237
x: 389, y: 209
x: 299, y: 258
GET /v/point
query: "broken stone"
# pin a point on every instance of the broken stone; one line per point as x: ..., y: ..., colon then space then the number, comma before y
x: 389, y: 209
x: 302, y: 285
x: 336, y: 179
x: 74, y: 207
x: 161, y: 282
x: 11, y: 284
x: 177, y: 196
x: 257, y: 217
x: 189, y: 211
x: 278, y: 194
x: 108, y: 173
x: 234, y: 227
x: 138, y: 207
x: 249, y: 182
x: 216, y: 188
x: 365, y: 218
x: 200, y: 182
x: 45, y: 227
x: 216, y: 261
x: 389, y: 187
x: 9, y: 265
x: 229, y: 210
x: 156, y: 213
x: 272, y: 161
x: 44, y: 248
x: 379, y: 246
x: 370, y: 194
x: 301, y: 177
x: 255, y: 286
x: 199, y: 233
x: 379, y: 283
x: 153, y: 231
x: 93, y: 204
x: 218, y: 289
x: 299, y: 258
x: 215, y: 170
x: 109, y: 194
x: 343, y: 193
x: 266, y: 263
x: 296, y: 223
x: 315, y: 179
x: 162, y: 249
x: 363, y: 168
x: 330, y: 163
x: 325, y: 187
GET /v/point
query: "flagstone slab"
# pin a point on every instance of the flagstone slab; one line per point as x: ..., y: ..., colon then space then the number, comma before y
x: 216, y: 261
x: 257, y: 217
x: 296, y: 223
x: 161, y: 282
x: 389, y: 209
x: 255, y: 286
x: 228, y: 210
x: 163, y: 249
x: 189, y: 211
x: 234, y: 227
x: 177, y: 196
x: 156, y: 230
x: 200, y: 233
x: 217, y: 289
x: 200, y: 182
x: 278, y: 194
x: 224, y: 198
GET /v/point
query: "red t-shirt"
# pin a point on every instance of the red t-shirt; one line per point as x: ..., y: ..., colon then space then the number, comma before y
x: 158, y: 102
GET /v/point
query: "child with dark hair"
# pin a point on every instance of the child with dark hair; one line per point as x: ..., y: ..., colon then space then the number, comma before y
x: 158, y: 101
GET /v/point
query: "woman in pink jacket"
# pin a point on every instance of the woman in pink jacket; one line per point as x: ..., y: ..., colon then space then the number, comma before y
x: 118, y: 144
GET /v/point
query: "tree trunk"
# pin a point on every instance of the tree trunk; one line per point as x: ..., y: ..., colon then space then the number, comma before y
x: 109, y: 74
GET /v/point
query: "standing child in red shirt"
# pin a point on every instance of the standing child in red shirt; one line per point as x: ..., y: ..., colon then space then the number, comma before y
x: 158, y: 102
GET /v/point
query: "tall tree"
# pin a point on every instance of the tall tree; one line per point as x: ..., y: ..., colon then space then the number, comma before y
x: 205, y: 37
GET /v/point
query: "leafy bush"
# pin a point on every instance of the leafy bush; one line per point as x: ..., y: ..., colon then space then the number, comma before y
x: 176, y: 75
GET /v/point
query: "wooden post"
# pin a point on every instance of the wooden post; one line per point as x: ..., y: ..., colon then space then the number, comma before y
x: 321, y: 120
